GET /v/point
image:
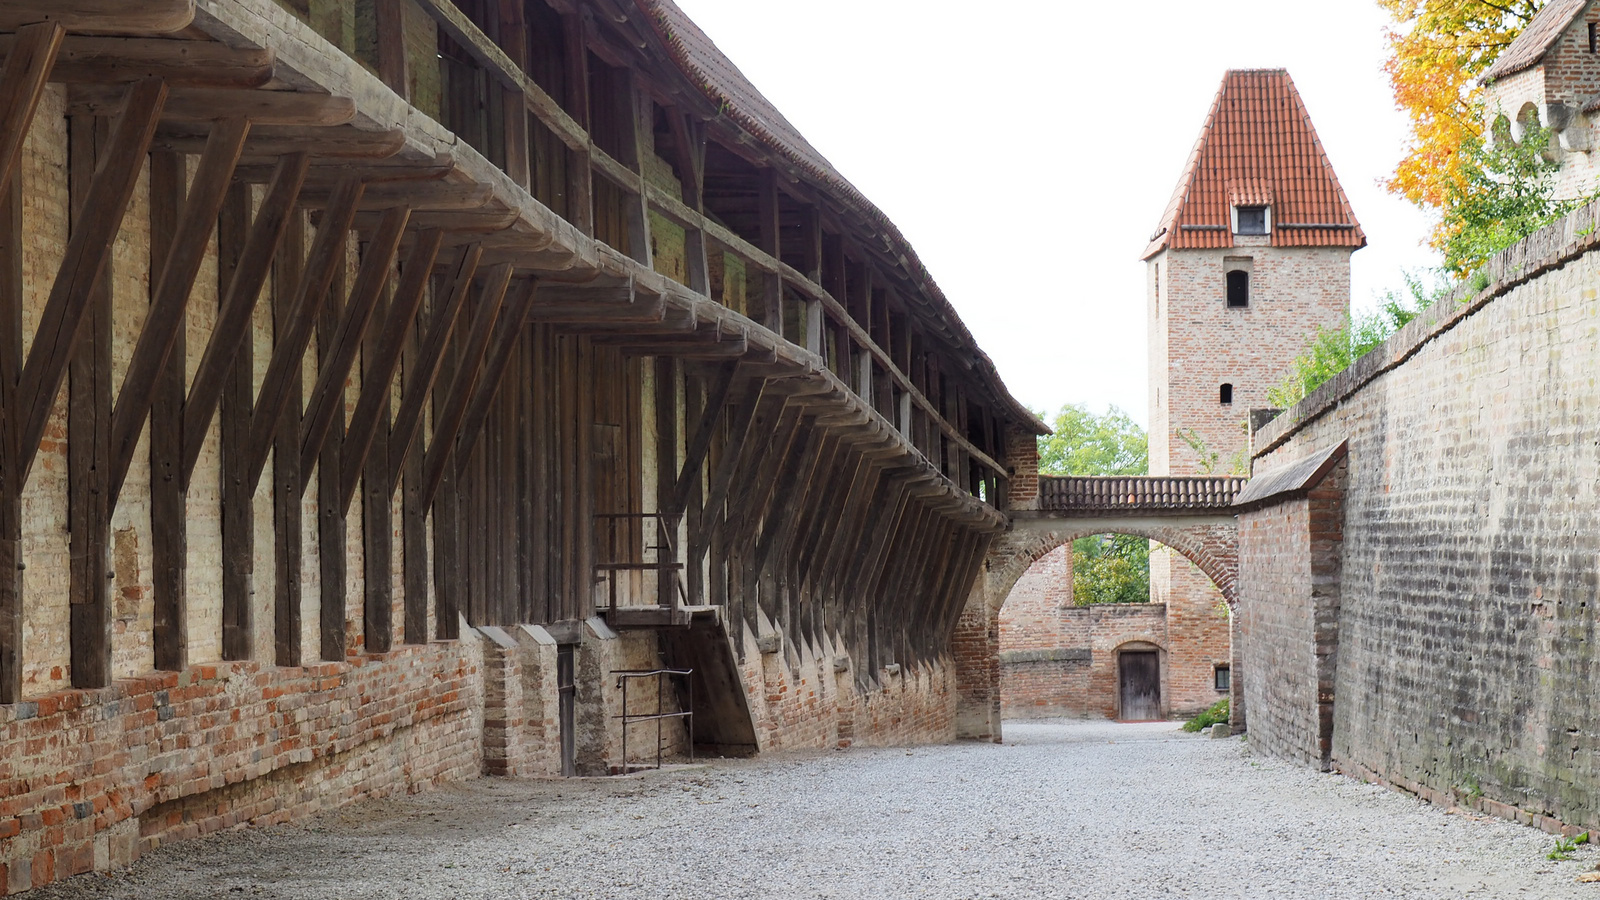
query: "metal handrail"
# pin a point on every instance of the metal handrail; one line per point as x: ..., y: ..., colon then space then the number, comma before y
x: 660, y: 716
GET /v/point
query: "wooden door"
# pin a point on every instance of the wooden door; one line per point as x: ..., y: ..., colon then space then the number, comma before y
x: 1139, y: 674
x: 567, y: 698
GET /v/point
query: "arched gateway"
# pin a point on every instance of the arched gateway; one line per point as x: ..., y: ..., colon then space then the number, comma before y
x: 1191, y: 515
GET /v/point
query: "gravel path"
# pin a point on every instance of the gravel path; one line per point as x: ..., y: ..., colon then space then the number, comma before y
x: 1063, y: 809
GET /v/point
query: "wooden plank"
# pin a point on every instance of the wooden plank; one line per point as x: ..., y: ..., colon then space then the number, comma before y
x: 29, y: 61
x: 86, y: 258
x: 288, y: 484
x: 272, y: 223
x: 203, y: 104
x: 238, y: 506
x: 169, y: 549
x: 86, y: 59
x: 88, y: 435
x: 11, y: 286
x: 288, y: 347
x: 421, y: 377
x: 154, y: 16
x: 508, y: 330
x: 335, y: 149
x: 170, y: 295
x: 379, y: 371
x: 448, y: 423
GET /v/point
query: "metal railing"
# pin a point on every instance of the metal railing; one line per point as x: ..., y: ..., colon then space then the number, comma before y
x: 660, y: 716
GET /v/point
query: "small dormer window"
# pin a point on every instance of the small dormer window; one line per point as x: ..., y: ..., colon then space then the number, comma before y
x: 1250, y: 220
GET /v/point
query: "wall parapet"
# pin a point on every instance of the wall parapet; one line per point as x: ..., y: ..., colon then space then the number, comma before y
x: 1547, y: 249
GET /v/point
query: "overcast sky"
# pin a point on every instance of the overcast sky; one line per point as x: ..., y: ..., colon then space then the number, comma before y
x: 1028, y: 148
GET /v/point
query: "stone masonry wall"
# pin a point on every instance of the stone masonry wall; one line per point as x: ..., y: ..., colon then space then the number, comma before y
x: 1471, y: 529
x: 1288, y: 622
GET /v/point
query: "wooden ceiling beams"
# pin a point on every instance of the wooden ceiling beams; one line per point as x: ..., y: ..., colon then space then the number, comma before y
x: 100, y: 16
x: 87, y: 59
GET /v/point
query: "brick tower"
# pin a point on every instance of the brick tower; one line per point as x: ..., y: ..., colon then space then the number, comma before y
x: 1251, y: 256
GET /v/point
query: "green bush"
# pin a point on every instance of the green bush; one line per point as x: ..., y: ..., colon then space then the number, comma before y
x: 1217, y: 713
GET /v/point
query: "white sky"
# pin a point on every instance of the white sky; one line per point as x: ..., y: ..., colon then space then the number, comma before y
x: 1028, y: 148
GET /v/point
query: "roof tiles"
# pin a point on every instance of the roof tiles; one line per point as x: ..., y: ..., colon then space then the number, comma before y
x: 1258, y: 147
x: 1546, y: 27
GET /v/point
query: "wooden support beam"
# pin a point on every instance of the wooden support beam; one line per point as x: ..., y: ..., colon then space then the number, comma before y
x: 238, y: 493
x: 378, y: 372
x: 88, y: 440
x: 392, y: 46
x: 769, y: 235
x: 448, y: 423
x: 154, y: 16
x: 170, y: 296
x: 377, y: 498
x: 694, y: 455
x: 327, y: 396
x: 168, y: 507
x: 289, y: 346
x: 333, y: 147
x: 110, y: 60
x: 238, y: 305
x: 203, y: 104
x: 28, y: 65
x: 333, y: 643
x: 87, y: 255
x: 508, y: 329
x: 424, y: 371
x: 288, y: 482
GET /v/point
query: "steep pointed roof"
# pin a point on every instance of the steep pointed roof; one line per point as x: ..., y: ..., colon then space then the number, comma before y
x: 1540, y: 35
x: 1258, y: 147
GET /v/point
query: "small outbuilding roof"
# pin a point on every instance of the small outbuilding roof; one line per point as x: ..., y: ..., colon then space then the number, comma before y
x: 1258, y: 147
x: 1537, y: 39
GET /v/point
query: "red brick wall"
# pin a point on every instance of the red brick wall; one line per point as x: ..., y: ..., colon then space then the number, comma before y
x: 91, y: 778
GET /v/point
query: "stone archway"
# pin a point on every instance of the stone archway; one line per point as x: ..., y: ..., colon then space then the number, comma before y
x: 1208, y: 541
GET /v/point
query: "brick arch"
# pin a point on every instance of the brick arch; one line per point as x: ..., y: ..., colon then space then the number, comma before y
x: 1209, y: 542
x: 1212, y: 547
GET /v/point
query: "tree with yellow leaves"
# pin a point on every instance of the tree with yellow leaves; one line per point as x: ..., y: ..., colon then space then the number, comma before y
x: 1439, y: 48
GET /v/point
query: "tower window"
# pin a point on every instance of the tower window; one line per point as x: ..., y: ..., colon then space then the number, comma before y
x: 1594, y: 39
x: 1238, y: 288
x: 1220, y: 678
x: 1226, y: 395
x: 1252, y: 220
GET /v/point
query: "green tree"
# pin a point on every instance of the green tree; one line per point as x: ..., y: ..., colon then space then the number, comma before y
x: 1506, y: 193
x: 1085, y: 443
x: 1106, y: 568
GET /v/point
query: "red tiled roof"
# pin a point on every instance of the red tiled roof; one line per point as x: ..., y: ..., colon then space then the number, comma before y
x: 721, y: 81
x: 1547, y: 26
x: 1258, y: 147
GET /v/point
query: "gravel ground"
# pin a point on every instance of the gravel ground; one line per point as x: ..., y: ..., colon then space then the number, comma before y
x: 1063, y: 809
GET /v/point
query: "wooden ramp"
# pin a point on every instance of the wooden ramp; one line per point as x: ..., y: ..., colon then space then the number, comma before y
x: 722, y: 721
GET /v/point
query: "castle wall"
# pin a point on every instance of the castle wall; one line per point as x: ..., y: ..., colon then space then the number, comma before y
x: 1465, y: 656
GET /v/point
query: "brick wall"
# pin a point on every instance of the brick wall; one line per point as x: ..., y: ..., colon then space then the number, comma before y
x: 1288, y: 622
x: 1471, y: 522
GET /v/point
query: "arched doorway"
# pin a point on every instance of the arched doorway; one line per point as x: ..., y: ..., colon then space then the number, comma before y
x: 988, y: 662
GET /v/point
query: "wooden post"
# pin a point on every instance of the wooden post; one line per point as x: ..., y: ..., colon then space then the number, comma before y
x: 331, y: 521
x: 768, y: 232
x: 580, y: 177
x: 666, y: 403
x: 89, y: 438
x: 377, y: 511
x: 10, y: 486
x: 169, y: 549
x: 238, y: 512
x: 513, y: 39
x: 288, y: 481
x: 392, y: 68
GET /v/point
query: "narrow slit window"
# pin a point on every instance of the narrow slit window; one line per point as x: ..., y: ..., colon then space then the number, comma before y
x: 1238, y: 289
x: 1226, y: 395
x: 1594, y: 39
